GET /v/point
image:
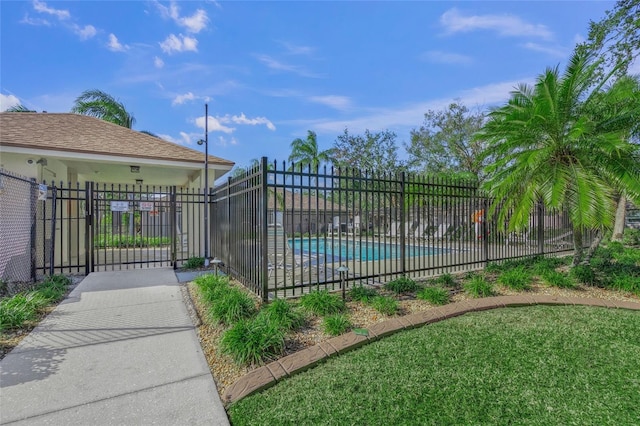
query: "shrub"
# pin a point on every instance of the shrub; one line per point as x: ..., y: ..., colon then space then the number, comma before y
x: 630, y: 257
x: 631, y: 237
x: 336, y: 324
x: 557, y: 279
x: 626, y: 283
x: 493, y: 267
x: 478, y: 286
x: 212, y: 287
x: 615, y: 247
x: 434, y: 295
x: 583, y: 274
x: 283, y: 314
x: 516, y: 279
x: 385, y: 305
x: 402, y: 285
x: 21, y: 308
x: 544, y: 264
x: 253, y: 341
x: 446, y: 280
x: 194, y: 263
x: 362, y: 294
x: 232, y: 306
x: 322, y: 303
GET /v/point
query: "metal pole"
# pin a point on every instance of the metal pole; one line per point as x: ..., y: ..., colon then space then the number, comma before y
x: 206, y: 184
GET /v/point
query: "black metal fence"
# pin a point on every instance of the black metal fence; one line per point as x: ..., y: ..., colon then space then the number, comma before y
x: 283, y: 230
x: 71, y: 228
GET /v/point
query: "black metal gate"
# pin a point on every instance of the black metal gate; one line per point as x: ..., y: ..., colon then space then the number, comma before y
x: 131, y: 226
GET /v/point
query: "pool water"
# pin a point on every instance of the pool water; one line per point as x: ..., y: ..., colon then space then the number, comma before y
x: 358, y: 250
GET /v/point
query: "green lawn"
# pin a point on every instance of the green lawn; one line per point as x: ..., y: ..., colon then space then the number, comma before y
x: 532, y: 365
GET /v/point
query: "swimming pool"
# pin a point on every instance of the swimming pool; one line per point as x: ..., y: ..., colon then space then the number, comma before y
x: 358, y: 250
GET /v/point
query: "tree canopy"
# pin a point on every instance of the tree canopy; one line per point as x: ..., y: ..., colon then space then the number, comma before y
x: 96, y: 103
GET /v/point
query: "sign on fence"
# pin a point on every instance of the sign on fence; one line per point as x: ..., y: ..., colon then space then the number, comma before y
x: 146, y: 206
x: 119, y: 206
x: 42, y: 192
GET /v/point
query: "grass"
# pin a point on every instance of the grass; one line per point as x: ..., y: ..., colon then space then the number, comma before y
x: 25, y: 307
x: 253, y: 341
x: 385, y: 305
x: 557, y: 279
x: 516, y: 279
x: 322, y: 303
x: 563, y: 365
x: 478, y: 286
x: 402, y: 285
x: 336, y: 324
x: 434, y: 295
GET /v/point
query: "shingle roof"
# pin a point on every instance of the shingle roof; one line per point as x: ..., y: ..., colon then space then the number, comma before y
x: 297, y: 201
x: 69, y: 132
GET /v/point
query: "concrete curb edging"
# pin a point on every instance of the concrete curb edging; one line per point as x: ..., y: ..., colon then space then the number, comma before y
x: 268, y: 375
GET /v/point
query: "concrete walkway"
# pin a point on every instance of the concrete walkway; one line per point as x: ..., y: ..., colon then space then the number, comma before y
x: 120, y: 350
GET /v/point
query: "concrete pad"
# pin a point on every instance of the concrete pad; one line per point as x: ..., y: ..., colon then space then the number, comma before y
x: 121, y: 350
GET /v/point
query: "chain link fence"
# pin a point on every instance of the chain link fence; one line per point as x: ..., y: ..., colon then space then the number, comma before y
x: 18, y: 198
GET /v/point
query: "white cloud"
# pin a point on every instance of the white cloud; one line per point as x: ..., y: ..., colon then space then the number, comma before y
x: 214, y: 125
x: 179, y: 43
x: 40, y: 6
x: 180, y: 99
x: 114, y: 45
x: 196, y: 22
x: 293, y: 49
x: 411, y: 115
x: 440, y: 57
x: 276, y: 65
x: 224, y: 142
x: 341, y: 103
x: 85, y: 32
x: 193, y: 24
x: 36, y: 22
x: 184, y: 139
x: 8, y: 101
x: 552, y: 51
x: 507, y: 25
x: 158, y: 62
x: 242, y: 119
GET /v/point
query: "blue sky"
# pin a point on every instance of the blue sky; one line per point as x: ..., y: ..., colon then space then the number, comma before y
x: 270, y: 71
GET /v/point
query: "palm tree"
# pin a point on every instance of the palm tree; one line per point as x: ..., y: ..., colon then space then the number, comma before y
x: 563, y: 142
x: 19, y: 108
x: 305, y: 152
x: 99, y: 104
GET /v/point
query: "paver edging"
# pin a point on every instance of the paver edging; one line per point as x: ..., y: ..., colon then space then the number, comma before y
x: 265, y: 377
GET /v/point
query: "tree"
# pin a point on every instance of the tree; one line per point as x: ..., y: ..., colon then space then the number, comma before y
x: 617, y: 39
x: 306, y: 152
x: 19, y: 108
x: 376, y: 152
x: 562, y: 142
x: 96, y: 103
x: 446, y: 143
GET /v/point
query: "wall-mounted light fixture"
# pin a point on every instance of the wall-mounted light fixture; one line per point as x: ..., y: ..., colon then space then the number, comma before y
x: 138, y: 181
x: 135, y: 169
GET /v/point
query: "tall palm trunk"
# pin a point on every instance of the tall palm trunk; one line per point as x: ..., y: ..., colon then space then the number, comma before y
x: 618, y: 227
x: 578, y: 250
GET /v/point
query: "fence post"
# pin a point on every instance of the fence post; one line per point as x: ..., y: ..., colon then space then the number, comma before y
x: 33, y: 207
x: 263, y: 229
x: 540, y: 228
x: 52, y: 246
x: 403, y: 262
x: 174, y: 226
x: 485, y: 230
x: 88, y: 227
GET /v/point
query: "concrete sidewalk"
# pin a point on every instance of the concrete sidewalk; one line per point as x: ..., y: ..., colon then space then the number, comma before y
x: 120, y: 350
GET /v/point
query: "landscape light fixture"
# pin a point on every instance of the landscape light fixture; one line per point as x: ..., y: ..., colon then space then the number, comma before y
x: 135, y: 169
x: 205, y: 141
x: 343, y: 270
x: 216, y: 262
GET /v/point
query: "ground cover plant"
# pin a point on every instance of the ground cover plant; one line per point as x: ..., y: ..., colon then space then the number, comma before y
x: 434, y: 295
x: 402, y: 285
x: 28, y: 306
x: 482, y: 368
x: 322, y: 303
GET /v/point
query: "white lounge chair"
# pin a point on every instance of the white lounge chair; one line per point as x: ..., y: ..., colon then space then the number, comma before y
x: 280, y: 254
x: 441, y: 232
